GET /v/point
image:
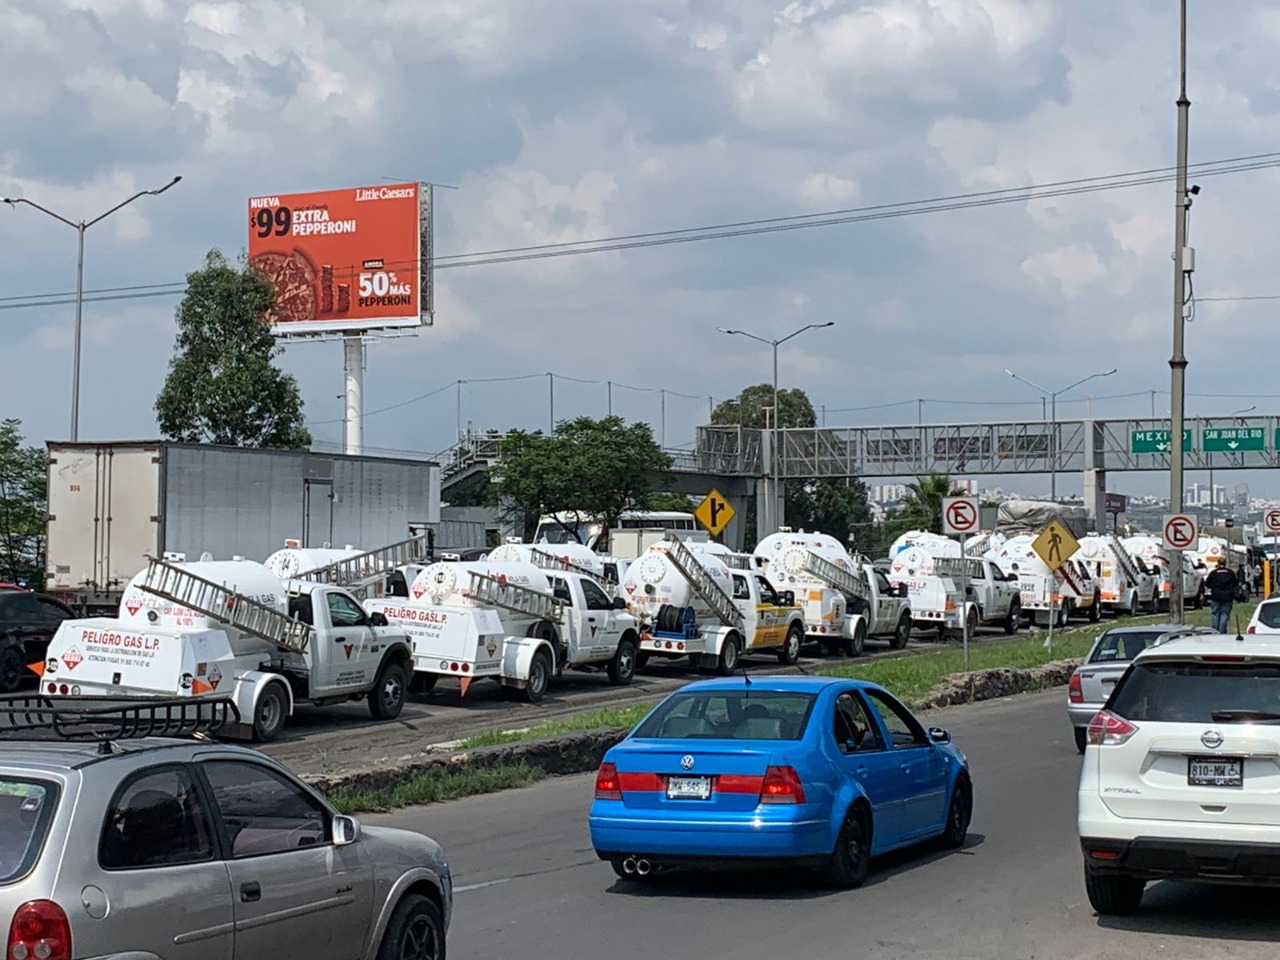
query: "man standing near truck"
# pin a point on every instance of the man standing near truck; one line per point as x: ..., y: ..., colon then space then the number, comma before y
x: 1222, y: 584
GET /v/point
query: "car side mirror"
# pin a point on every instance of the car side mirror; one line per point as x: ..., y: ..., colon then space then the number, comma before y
x: 346, y: 830
x: 619, y: 603
x: 902, y: 589
x: 938, y: 735
x: 377, y: 620
x: 788, y: 598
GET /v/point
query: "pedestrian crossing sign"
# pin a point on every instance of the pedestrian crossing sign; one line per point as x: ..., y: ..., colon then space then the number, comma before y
x: 1055, y: 544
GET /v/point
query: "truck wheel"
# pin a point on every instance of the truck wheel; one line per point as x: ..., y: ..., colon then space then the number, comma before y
x: 269, y: 713
x: 970, y: 625
x: 1014, y: 618
x: 386, y: 699
x: 623, y: 665
x: 642, y: 660
x: 728, y: 657
x: 790, y: 652
x: 858, y: 642
x: 11, y: 669
x: 1095, y: 609
x: 539, y: 676
x: 423, y: 682
x: 901, y: 633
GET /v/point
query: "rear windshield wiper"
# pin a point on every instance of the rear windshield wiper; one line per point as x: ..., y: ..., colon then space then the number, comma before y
x: 1241, y: 716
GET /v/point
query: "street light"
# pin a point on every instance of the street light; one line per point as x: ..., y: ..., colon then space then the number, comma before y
x: 1213, y: 511
x: 80, y: 228
x: 773, y: 445
x: 1053, y: 429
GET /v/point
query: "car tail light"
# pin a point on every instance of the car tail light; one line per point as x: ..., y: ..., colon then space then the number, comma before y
x: 1252, y: 629
x: 39, y: 931
x: 608, y: 786
x: 1075, y: 690
x: 1108, y: 730
x: 781, y: 785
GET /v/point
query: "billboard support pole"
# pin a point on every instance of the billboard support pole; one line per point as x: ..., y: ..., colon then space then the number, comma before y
x: 353, y: 354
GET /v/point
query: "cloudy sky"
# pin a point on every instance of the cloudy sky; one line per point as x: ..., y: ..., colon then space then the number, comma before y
x: 571, y: 120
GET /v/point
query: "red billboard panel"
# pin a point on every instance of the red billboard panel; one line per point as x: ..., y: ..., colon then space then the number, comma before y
x: 344, y: 260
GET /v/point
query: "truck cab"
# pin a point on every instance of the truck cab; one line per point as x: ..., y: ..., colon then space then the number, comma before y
x: 996, y: 593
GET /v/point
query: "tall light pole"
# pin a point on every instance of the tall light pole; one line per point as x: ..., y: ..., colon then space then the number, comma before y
x: 1178, y: 361
x: 1053, y: 429
x: 80, y: 228
x: 773, y: 444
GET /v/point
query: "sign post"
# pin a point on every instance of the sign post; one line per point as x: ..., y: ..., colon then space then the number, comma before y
x: 1055, y: 545
x: 1271, y: 525
x: 1180, y: 532
x: 960, y: 516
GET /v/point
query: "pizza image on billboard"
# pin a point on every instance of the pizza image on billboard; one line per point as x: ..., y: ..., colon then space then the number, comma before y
x: 341, y: 260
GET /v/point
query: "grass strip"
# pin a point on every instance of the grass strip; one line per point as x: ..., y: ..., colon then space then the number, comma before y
x: 436, y: 787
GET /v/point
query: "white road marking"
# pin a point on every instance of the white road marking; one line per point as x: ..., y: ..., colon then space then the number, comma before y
x: 477, y: 886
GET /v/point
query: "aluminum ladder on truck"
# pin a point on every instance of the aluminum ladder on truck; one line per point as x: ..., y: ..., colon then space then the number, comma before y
x: 548, y: 561
x: 172, y: 583
x: 683, y: 559
x: 1124, y: 561
x: 844, y: 581
x: 363, y: 569
x: 1068, y: 575
x: 490, y: 591
x: 956, y: 567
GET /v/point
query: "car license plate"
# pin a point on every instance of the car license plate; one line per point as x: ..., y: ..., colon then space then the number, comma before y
x: 688, y: 788
x: 1215, y: 772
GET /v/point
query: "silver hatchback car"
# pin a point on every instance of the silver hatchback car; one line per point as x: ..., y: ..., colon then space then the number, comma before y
x: 118, y: 844
x: 1092, y: 682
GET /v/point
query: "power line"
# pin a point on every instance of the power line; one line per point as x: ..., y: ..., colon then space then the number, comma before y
x: 865, y: 214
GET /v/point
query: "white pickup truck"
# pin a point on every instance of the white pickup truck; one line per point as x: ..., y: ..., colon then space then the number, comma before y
x: 996, y: 593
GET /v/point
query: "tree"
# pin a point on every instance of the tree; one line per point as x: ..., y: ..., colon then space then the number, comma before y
x: 833, y: 505
x: 595, y: 469
x: 222, y: 385
x: 23, y: 507
x: 922, y: 506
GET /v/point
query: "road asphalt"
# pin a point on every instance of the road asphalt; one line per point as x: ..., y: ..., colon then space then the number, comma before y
x: 529, y: 884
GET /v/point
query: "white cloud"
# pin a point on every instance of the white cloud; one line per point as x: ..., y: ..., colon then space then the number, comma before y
x: 1072, y: 268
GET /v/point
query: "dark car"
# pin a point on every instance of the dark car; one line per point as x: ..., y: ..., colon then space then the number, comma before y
x: 28, y: 622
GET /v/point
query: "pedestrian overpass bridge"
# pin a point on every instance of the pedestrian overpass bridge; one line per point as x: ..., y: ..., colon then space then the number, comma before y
x: 736, y: 460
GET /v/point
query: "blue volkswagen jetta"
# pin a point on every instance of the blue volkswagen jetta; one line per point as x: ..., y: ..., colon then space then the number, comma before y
x: 796, y: 771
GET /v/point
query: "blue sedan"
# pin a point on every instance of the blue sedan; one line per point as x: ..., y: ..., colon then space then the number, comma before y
x: 796, y: 771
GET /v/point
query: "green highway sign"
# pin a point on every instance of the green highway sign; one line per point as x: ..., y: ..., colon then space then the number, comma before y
x: 1232, y: 439
x: 1156, y: 441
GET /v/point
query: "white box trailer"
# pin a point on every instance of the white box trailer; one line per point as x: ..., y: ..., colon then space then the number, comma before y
x: 113, y: 504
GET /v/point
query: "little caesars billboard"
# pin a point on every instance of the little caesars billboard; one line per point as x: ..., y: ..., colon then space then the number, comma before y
x: 345, y: 260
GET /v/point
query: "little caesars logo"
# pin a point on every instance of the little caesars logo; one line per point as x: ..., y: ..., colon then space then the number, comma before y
x: 385, y: 193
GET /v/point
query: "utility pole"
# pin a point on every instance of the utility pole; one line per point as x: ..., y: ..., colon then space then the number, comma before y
x: 1182, y: 266
x: 551, y: 402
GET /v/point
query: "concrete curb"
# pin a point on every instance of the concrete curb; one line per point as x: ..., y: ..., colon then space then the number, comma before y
x: 581, y: 752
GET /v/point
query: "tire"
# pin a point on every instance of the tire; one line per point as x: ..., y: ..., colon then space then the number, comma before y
x: 850, y: 862
x: 1113, y: 895
x: 539, y: 677
x: 423, y: 682
x: 970, y: 625
x: 622, y: 667
x: 959, y: 813
x: 1199, y: 601
x: 789, y: 655
x: 858, y: 643
x: 269, y: 713
x: 386, y: 698
x: 642, y: 660
x: 1095, y: 609
x: 901, y: 633
x: 12, y: 668
x: 415, y: 931
x: 729, y: 656
x: 1014, y: 618
x: 1082, y: 738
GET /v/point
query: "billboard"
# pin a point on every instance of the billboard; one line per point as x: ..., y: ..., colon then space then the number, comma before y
x: 345, y: 260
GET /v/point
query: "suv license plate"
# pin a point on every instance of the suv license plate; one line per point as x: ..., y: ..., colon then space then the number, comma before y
x: 688, y: 788
x: 1215, y: 772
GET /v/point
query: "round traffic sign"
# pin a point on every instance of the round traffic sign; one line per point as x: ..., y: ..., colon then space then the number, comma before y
x: 962, y: 516
x: 1179, y: 531
x: 1271, y: 521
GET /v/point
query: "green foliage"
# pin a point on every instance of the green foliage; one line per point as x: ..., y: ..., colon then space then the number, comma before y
x: 596, y: 468
x: 675, y: 502
x: 222, y: 386
x: 436, y: 787
x: 23, y: 507
x: 922, y: 507
x: 753, y: 407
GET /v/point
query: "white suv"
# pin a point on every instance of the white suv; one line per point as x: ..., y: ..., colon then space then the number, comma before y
x: 1181, y: 775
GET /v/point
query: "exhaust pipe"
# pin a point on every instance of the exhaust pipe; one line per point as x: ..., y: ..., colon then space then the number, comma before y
x: 629, y: 865
x: 643, y: 867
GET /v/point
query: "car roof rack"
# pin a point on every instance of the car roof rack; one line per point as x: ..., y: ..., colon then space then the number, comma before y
x: 101, y: 720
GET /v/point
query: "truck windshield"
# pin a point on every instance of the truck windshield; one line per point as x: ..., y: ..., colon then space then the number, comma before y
x: 737, y: 714
x: 26, y: 808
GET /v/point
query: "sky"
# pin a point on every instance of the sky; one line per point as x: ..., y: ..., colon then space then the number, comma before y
x: 572, y: 120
